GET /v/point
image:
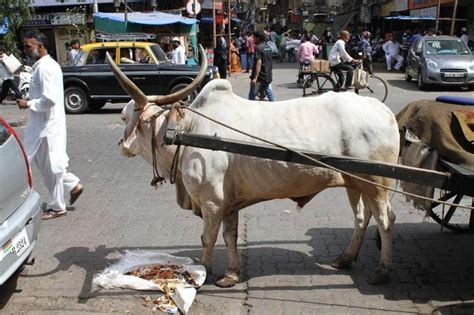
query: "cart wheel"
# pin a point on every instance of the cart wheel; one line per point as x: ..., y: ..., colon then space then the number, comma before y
x: 452, y: 219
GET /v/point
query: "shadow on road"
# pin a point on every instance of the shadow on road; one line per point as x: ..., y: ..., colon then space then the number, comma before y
x: 105, y: 110
x: 428, y: 264
x: 8, y: 289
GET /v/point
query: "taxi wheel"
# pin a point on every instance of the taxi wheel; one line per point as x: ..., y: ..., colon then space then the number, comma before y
x: 75, y: 100
x: 181, y: 86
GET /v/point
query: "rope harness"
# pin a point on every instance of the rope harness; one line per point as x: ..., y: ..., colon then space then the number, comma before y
x: 157, y: 179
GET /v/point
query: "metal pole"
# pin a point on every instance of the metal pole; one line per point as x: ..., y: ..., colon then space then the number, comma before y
x: 125, y: 13
x: 213, y: 25
x: 437, y: 15
x: 95, y: 7
x: 229, y: 32
x: 454, y: 17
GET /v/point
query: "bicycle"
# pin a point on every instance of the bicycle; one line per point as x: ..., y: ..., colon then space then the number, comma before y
x: 319, y: 83
x: 304, y: 70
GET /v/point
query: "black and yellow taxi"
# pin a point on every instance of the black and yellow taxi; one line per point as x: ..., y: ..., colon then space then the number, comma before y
x: 89, y: 82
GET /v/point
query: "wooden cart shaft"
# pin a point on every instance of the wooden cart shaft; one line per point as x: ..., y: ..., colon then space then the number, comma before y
x: 444, y: 180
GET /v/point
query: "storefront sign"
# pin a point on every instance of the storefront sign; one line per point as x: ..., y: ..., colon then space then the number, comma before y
x: 426, y: 12
x: 207, y: 4
x: 206, y: 19
x: 419, y: 4
x: 401, y: 5
x: 49, y: 3
x: 58, y: 18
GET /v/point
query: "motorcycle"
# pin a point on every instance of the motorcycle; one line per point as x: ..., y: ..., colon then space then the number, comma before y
x: 24, y: 81
x: 377, y: 50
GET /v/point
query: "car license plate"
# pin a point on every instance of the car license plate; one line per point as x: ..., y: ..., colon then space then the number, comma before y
x: 17, y: 245
x: 453, y: 75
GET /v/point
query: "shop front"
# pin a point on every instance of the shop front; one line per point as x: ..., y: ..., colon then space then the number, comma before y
x: 60, y: 28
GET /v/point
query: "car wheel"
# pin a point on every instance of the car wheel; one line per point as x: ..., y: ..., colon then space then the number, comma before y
x: 181, y: 86
x: 96, y: 105
x: 75, y: 100
x: 407, y: 75
x: 421, y: 84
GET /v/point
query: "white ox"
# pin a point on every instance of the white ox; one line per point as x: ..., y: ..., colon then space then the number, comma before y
x: 216, y: 185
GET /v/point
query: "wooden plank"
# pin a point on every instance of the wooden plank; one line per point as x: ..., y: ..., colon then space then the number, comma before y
x: 346, y: 163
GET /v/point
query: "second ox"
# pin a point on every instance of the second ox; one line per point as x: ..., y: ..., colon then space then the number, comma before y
x: 216, y: 185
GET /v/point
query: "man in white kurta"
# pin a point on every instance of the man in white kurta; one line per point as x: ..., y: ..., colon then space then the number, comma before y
x: 179, y: 55
x: 45, y: 135
x: 392, y: 53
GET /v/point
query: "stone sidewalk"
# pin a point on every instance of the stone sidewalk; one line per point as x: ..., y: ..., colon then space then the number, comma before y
x: 285, y: 252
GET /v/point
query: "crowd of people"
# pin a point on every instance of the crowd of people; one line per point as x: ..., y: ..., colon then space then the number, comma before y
x: 346, y: 49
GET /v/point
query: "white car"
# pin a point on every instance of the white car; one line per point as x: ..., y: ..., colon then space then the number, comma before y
x: 20, y: 204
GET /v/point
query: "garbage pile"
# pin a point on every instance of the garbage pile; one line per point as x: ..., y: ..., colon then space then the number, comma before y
x: 177, y: 277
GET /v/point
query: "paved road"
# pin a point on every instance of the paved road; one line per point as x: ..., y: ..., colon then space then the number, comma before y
x: 285, y: 252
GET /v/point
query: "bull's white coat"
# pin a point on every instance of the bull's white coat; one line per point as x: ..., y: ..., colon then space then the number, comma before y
x: 217, y: 184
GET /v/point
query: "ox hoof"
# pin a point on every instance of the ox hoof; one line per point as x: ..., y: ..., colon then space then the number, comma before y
x: 227, y: 281
x: 342, y: 262
x: 378, y: 277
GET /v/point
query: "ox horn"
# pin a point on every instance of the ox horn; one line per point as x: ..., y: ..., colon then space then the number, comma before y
x: 179, y: 95
x: 137, y: 95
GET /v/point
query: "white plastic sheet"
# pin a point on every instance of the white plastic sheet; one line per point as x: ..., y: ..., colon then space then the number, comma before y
x: 114, y: 276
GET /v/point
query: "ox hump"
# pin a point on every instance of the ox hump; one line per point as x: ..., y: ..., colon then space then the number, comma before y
x: 218, y: 89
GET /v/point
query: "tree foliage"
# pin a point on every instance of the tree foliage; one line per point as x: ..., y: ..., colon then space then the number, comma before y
x: 77, y: 28
x: 15, y: 13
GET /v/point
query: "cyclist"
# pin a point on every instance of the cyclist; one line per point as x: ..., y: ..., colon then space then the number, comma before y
x: 340, y: 60
x: 306, y: 53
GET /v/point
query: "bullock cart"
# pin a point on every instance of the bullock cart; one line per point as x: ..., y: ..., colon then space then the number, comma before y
x: 453, y: 179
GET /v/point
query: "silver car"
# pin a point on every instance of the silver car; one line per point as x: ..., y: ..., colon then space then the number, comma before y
x: 20, y: 205
x: 441, y: 60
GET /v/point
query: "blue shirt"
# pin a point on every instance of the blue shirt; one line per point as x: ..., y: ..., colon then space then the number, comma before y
x: 365, y: 46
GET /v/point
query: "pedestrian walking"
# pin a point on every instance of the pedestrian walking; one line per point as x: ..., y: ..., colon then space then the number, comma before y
x: 221, y: 55
x: 75, y: 50
x: 464, y: 36
x: 366, y: 50
x: 234, y: 58
x: 250, y: 44
x: 45, y: 135
x: 261, y: 77
x: 8, y: 79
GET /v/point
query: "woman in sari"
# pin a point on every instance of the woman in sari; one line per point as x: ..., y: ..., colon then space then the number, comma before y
x: 234, y: 58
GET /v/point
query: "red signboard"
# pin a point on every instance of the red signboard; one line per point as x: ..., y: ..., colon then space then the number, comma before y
x: 219, y: 19
x: 418, y: 4
x: 296, y: 18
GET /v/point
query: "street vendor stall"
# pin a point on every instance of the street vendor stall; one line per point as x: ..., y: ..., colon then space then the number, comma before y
x: 163, y: 25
